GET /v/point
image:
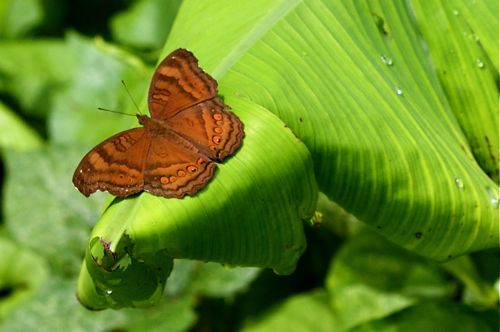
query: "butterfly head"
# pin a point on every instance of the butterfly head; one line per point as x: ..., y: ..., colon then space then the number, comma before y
x: 142, y: 119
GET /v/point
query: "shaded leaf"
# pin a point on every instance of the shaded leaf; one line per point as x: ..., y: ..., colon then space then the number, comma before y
x: 55, y: 308
x: 304, y: 312
x: 17, y: 18
x: 146, y: 24
x: 52, y: 221
x: 14, y: 133
x: 21, y: 274
x: 95, y: 81
x: 371, y: 278
x: 216, y: 280
x: 32, y: 83
x: 444, y: 316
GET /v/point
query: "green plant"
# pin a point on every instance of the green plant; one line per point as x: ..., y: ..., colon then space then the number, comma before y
x: 339, y: 95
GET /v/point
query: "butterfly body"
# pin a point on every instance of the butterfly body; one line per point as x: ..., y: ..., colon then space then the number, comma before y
x: 174, y: 152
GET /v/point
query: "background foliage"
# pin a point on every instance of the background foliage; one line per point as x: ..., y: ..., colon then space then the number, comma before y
x: 396, y: 103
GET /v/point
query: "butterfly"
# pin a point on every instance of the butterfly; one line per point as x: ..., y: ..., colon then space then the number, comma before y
x: 174, y: 152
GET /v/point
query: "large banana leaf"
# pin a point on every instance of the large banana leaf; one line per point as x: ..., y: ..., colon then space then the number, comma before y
x: 385, y: 130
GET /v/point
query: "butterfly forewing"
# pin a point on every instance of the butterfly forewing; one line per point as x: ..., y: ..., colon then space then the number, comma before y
x: 178, y: 83
x: 116, y: 165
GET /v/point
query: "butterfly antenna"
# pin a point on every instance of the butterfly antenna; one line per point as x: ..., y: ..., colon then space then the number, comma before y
x: 130, y: 95
x: 111, y: 111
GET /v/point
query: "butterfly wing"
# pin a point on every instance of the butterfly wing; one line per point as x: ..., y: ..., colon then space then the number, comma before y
x: 178, y: 83
x: 175, y: 167
x: 211, y: 127
x: 115, y: 165
x: 173, y: 155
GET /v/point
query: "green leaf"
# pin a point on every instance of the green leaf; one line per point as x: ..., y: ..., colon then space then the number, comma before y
x: 54, y: 308
x: 176, y: 314
x: 305, y: 312
x: 54, y: 221
x: 477, y: 292
x: 95, y: 81
x: 217, y: 224
x: 36, y: 302
x: 371, y: 278
x: 21, y: 274
x: 439, y: 316
x: 108, y: 280
x: 14, y: 133
x: 216, y: 280
x: 352, y: 81
x: 33, y: 72
x: 146, y: 24
x: 354, y: 84
x: 467, y: 67
x: 17, y: 18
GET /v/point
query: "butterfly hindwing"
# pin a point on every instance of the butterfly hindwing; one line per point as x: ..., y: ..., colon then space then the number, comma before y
x: 174, y: 167
x: 211, y: 127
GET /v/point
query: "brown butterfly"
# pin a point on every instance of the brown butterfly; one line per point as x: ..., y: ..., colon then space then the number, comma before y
x: 174, y: 153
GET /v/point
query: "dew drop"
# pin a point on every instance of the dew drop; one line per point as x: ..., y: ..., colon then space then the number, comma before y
x: 399, y: 92
x: 479, y: 64
x: 493, y: 197
x: 459, y: 183
x: 386, y: 60
x: 455, y: 12
x: 108, y: 292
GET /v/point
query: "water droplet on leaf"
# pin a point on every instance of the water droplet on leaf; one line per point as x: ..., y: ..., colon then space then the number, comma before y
x: 493, y: 197
x: 386, y: 60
